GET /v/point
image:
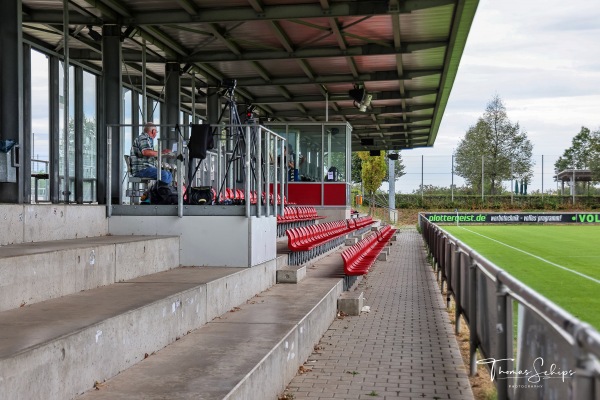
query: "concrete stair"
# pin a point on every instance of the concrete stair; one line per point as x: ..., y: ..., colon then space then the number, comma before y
x: 83, y: 312
x: 71, y: 342
x: 251, y: 352
x: 38, y: 271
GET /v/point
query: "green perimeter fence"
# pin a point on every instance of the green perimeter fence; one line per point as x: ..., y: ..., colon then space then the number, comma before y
x: 499, y: 202
x: 559, y: 355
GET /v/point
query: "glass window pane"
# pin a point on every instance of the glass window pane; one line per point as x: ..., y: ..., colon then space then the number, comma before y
x: 71, y: 141
x: 335, y: 153
x: 90, y: 128
x: 40, y: 123
x: 126, y: 135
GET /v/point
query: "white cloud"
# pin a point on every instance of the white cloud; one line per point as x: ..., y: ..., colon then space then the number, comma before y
x: 542, y: 58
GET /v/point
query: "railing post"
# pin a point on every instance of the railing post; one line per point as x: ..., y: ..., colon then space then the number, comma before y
x: 108, y: 172
x: 248, y: 166
x: 584, y: 377
x: 502, y: 327
x: 261, y: 164
x: 456, y: 257
x: 267, y: 191
x: 585, y: 382
x: 448, y: 270
x: 180, y: 166
x: 473, y: 318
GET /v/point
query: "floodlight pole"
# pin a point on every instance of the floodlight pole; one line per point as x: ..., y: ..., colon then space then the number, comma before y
x: 482, y: 178
x: 392, y: 188
x: 573, y: 184
x: 452, y: 184
x: 512, y: 178
x: 542, y: 177
x: 422, y: 194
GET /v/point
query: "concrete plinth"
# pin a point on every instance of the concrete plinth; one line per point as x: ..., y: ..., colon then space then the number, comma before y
x: 350, y: 303
x: 291, y: 274
x: 227, y: 241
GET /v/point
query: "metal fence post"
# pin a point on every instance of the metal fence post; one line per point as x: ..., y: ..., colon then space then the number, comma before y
x: 584, y: 377
x: 447, y: 269
x: 109, y: 172
x: 473, y: 318
x: 502, y: 326
x: 456, y: 257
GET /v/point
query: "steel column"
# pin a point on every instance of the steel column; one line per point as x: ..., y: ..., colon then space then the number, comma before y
x: 113, y: 105
x: 11, y: 82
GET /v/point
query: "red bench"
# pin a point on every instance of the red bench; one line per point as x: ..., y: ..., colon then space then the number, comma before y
x: 307, y: 242
x: 359, y: 257
x: 296, y: 216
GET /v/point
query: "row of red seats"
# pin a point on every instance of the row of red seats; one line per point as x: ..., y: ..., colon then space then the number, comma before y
x: 308, y: 237
x: 297, y: 214
x: 359, y: 257
x: 361, y: 222
x: 236, y: 196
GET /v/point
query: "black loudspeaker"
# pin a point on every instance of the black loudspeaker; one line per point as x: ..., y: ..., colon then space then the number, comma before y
x: 367, y: 142
x: 201, y: 140
x: 200, y: 195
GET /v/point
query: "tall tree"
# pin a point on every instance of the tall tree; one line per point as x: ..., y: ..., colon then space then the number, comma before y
x: 357, y: 168
x: 505, y: 150
x: 373, y: 171
x: 356, y: 165
x: 581, y: 152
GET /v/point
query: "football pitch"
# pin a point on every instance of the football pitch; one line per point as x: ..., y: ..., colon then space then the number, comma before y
x: 560, y: 262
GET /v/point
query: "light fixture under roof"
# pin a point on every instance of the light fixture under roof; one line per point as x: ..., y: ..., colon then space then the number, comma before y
x: 362, y: 99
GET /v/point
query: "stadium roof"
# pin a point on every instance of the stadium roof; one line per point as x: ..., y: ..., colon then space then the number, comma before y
x: 295, y: 60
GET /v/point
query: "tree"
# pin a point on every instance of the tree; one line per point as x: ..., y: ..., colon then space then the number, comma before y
x: 584, y: 147
x: 373, y: 171
x: 357, y: 168
x: 356, y: 165
x: 505, y: 149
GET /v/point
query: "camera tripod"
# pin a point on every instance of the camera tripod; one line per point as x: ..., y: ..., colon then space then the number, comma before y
x: 239, y: 135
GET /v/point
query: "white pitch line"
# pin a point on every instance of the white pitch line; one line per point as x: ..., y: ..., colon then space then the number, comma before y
x: 534, y: 256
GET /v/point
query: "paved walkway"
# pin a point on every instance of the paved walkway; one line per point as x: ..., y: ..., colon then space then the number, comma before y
x: 404, y: 348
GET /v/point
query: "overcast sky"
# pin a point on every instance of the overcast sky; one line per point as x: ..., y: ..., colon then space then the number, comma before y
x: 542, y: 57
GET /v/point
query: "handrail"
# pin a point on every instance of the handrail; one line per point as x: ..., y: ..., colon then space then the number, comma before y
x: 252, y: 153
x: 482, y: 293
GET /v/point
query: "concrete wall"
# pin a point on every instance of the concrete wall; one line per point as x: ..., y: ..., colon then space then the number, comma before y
x: 290, y: 353
x: 232, y: 290
x: 333, y: 213
x: 263, y: 239
x: 37, y: 223
x: 72, y: 363
x: 48, y: 271
x: 208, y: 240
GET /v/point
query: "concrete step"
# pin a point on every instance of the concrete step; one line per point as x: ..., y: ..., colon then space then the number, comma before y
x: 37, y: 271
x: 25, y: 223
x: 252, y: 352
x: 59, y: 348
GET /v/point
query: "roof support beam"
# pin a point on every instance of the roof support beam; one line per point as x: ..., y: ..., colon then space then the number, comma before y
x: 341, y: 97
x: 358, y: 8
x: 315, y: 52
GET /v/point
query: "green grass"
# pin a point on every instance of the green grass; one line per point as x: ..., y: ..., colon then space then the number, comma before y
x: 574, y: 247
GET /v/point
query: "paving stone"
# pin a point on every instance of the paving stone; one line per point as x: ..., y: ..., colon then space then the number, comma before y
x: 404, y: 348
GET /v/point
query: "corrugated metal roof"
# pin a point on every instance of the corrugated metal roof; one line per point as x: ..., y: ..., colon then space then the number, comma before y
x: 286, y: 55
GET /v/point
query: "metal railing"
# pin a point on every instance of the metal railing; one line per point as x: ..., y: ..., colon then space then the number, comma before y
x: 557, y: 356
x: 263, y: 140
x: 379, y: 209
x: 37, y: 175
